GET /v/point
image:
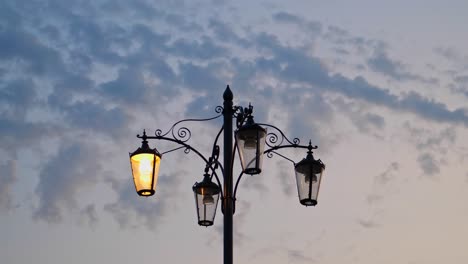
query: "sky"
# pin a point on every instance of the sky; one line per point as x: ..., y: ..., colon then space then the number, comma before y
x: 380, y: 86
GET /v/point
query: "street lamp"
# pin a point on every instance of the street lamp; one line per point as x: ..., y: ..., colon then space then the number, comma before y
x: 308, y: 176
x: 206, y: 200
x: 145, y: 167
x: 250, y: 141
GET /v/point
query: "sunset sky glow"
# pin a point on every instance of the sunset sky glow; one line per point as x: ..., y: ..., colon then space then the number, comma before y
x: 380, y: 86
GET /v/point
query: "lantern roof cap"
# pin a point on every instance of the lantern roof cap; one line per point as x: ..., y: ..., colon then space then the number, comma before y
x: 309, y: 160
x: 251, y: 125
x: 145, y: 148
x: 209, y: 187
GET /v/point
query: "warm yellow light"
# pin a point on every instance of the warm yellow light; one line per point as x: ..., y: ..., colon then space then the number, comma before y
x: 145, y: 167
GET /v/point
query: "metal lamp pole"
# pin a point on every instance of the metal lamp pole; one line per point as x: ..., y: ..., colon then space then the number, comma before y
x: 228, y: 199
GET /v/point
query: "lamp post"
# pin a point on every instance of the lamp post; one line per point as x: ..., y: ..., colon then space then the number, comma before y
x: 250, y: 141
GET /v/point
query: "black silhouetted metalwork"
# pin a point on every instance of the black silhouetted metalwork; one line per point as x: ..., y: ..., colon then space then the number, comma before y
x: 250, y: 140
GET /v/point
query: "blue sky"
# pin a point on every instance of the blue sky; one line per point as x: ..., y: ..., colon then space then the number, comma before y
x: 381, y: 87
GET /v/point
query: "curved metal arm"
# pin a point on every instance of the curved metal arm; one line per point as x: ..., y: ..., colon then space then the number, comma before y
x: 189, y: 148
x: 273, y: 139
x: 273, y: 149
x: 270, y: 155
x: 237, y: 183
x: 215, y: 146
x: 183, y: 134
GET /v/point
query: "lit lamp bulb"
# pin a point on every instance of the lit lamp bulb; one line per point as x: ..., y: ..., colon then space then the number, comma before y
x: 146, y: 168
x: 208, y: 199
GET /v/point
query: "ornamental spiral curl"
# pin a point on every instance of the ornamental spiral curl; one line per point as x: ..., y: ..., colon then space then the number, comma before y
x: 272, y: 139
x: 276, y: 137
x: 183, y: 134
x: 219, y: 109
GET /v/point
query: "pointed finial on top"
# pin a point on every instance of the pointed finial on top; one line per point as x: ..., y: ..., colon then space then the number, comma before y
x: 228, y: 94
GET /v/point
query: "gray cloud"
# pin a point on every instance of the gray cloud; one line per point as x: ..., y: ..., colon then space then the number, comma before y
x: 296, y: 256
x: 367, y: 223
x: 129, y: 87
x: 448, y: 53
x: 73, y: 168
x: 460, y: 85
x: 287, y: 183
x: 302, y: 68
x: 432, y: 140
x: 201, y: 78
x: 16, y: 97
x: 388, y: 174
x: 205, y: 49
x: 17, y: 133
x: 89, y: 215
x: 63, y: 47
x: 382, y: 63
x: 131, y: 210
x: 342, y: 38
x: 8, y: 178
x: 428, y: 164
x: 383, y: 185
x: 308, y: 26
x: 225, y: 33
x: 362, y: 118
x: 37, y: 58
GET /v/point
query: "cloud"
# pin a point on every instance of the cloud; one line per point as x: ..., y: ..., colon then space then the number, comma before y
x: 448, y: 53
x: 382, y: 187
x: 296, y: 256
x: 460, y: 85
x: 8, y: 178
x: 430, y: 139
x: 287, y: 183
x: 16, y: 97
x: 224, y: 32
x: 201, y: 78
x: 367, y: 223
x: 428, y: 164
x: 72, y: 169
x: 295, y: 65
x: 89, y: 215
x: 38, y: 59
x: 288, y: 18
x: 131, y: 210
x: 387, y: 175
x: 84, y: 69
x: 382, y: 63
x: 205, y: 49
x: 17, y: 134
x: 361, y: 116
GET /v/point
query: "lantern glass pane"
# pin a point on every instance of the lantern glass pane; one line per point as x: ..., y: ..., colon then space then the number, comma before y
x: 145, y: 168
x: 206, y: 208
x: 308, y: 183
x: 251, y: 153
